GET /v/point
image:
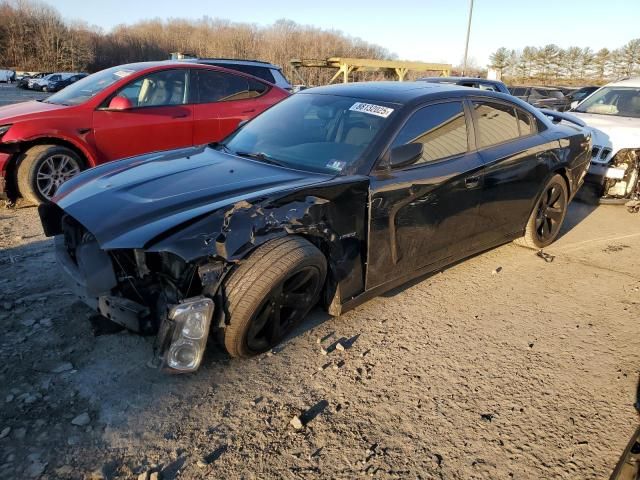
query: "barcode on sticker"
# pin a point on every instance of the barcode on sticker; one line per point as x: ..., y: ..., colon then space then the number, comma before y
x: 372, y: 109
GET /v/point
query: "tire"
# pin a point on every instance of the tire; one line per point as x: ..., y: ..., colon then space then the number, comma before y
x: 281, y: 279
x: 547, y: 216
x: 40, y: 162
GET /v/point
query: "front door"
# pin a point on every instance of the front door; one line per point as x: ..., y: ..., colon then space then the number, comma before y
x: 425, y: 213
x: 160, y: 117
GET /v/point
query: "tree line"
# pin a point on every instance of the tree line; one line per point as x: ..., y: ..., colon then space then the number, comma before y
x: 574, y: 65
x: 35, y: 37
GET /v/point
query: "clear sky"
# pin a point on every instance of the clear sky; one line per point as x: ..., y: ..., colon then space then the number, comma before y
x: 427, y: 30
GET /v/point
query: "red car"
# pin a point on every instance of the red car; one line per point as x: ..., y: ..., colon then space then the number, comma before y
x: 119, y: 112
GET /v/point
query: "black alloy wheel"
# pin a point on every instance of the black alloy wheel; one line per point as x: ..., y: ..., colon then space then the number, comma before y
x: 547, y: 216
x: 550, y: 213
x: 281, y: 310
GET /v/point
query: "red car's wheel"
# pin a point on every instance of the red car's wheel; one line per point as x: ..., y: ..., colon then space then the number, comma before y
x: 43, y: 169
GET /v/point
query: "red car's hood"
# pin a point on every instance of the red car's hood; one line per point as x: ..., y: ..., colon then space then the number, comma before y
x: 10, y: 113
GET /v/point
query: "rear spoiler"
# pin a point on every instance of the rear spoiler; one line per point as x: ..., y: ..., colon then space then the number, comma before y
x: 557, y: 117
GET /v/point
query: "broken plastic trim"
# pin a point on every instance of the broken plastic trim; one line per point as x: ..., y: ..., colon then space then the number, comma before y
x: 190, y: 321
x: 622, y: 177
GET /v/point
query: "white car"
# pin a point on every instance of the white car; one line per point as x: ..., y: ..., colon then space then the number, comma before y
x: 41, y: 83
x: 613, y: 115
x: 6, y: 75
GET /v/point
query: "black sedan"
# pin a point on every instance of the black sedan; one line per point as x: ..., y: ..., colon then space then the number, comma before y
x: 336, y: 194
x: 57, y: 85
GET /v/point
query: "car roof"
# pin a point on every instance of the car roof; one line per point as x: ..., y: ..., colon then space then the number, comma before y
x: 400, y: 92
x: 233, y: 61
x: 627, y: 82
x: 458, y: 79
x: 140, y: 66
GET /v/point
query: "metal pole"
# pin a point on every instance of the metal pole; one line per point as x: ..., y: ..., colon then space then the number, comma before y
x: 466, y: 47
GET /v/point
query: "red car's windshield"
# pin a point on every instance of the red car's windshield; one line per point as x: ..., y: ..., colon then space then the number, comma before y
x: 84, y: 89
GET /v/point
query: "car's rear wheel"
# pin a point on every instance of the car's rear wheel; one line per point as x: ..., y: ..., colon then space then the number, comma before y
x: 267, y: 295
x: 43, y: 169
x: 547, y: 216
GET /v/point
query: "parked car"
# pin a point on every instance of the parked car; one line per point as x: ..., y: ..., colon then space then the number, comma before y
x: 42, y: 83
x: 24, y: 81
x: 264, y: 70
x: 56, y: 85
x: 613, y: 113
x: 7, y: 76
x: 337, y: 193
x: 542, y: 97
x: 580, y: 94
x: 119, y: 112
x: 481, y: 83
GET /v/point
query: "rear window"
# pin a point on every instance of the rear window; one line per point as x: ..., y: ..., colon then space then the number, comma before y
x: 260, y: 72
x: 525, y: 123
x: 497, y: 123
x: 215, y: 86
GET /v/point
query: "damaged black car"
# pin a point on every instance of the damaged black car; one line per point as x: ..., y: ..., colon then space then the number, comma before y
x: 334, y: 195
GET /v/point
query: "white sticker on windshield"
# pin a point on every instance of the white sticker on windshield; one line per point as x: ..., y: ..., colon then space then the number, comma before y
x: 123, y: 73
x: 372, y: 109
x: 336, y: 165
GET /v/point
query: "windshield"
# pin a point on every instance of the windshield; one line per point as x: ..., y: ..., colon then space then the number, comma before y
x: 84, y: 89
x: 321, y: 133
x: 618, y: 101
x: 557, y: 94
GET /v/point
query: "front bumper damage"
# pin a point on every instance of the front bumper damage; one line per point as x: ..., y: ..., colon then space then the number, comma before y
x: 181, y: 324
x: 617, y: 177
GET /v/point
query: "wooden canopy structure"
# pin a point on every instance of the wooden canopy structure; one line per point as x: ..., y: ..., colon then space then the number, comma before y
x: 346, y: 66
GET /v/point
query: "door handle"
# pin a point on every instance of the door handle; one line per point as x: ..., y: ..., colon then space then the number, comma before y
x: 471, y: 182
x: 249, y: 111
x: 181, y: 115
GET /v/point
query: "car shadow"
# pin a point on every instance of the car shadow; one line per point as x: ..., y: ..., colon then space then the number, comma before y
x: 579, y: 210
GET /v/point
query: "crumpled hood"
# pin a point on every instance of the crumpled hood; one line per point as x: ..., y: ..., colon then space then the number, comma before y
x: 128, y: 203
x: 16, y: 111
x: 611, y: 131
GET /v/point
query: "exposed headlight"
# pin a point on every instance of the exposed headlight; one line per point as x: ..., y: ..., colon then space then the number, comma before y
x: 4, y: 129
x: 191, y: 320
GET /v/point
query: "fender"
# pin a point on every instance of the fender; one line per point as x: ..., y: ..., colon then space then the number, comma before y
x: 83, y: 147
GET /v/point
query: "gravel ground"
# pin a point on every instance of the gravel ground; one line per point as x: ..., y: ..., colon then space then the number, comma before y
x: 9, y: 94
x: 502, y: 366
x: 525, y: 372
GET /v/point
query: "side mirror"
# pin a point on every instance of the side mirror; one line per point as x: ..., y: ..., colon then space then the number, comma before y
x: 404, y: 155
x: 574, y: 104
x: 120, y: 103
x: 242, y: 123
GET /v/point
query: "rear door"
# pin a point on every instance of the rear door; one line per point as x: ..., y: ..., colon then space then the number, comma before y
x: 224, y: 100
x: 515, y: 157
x: 425, y: 213
x: 160, y: 118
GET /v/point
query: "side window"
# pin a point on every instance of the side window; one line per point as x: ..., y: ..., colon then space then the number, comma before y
x: 441, y: 128
x: 168, y: 87
x: 256, y: 88
x: 518, y: 92
x: 486, y: 86
x: 223, y: 87
x: 497, y: 123
x: 525, y: 123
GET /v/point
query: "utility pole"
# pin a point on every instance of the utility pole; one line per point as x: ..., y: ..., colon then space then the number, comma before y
x: 466, y: 47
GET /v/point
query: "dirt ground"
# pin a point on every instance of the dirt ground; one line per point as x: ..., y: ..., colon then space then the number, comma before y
x: 9, y: 94
x: 502, y: 366
x: 525, y: 372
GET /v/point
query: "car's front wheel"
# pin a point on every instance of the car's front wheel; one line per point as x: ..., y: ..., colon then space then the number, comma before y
x: 268, y: 294
x: 43, y: 169
x: 547, y: 216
